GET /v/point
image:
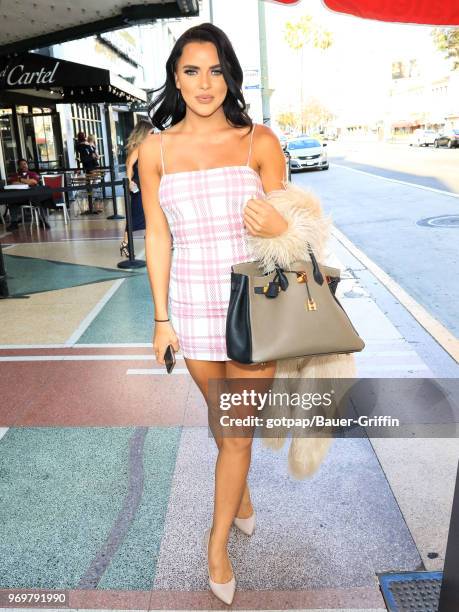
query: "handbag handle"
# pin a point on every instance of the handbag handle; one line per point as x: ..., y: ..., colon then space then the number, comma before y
x: 282, y: 279
x: 318, y: 277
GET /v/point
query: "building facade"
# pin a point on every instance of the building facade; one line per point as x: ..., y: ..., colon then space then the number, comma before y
x: 43, y: 129
x: 420, y: 100
x: 40, y: 126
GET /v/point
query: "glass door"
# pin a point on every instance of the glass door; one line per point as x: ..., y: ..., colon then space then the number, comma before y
x: 124, y: 126
x: 42, y: 139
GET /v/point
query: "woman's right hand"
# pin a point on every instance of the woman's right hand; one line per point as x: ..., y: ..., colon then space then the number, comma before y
x: 163, y: 336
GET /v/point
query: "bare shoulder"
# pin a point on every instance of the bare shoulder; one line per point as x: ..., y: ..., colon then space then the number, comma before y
x: 267, y: 149
x: 265, y: 141
x: 150, y: 145
x: 265, y: 137
x: 149, y: 152
x: 264, y: 134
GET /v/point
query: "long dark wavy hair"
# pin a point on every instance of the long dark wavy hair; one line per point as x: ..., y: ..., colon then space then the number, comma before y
x: 168, y: 108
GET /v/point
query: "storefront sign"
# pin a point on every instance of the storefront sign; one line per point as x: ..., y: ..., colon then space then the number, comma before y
x: 67, y: 81
x: 32, y: 70
x: 19, y: 76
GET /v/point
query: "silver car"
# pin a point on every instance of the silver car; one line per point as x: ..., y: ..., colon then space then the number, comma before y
x: 306, y: 152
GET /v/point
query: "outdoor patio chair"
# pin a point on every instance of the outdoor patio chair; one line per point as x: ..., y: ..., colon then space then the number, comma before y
x: 53, y: 181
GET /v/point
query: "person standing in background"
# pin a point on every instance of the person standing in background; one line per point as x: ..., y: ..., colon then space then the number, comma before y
x: 92, y: 141
x: 136, y: 137
x: 87, y: 156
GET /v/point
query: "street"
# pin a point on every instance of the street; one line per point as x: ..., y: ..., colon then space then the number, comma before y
x: 377, y: 195
x: 435, y: 168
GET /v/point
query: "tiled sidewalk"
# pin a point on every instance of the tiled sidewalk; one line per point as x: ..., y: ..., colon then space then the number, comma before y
x: 107, y: 466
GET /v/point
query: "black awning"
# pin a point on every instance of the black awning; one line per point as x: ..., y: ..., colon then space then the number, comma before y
x: 46, y: 23
x: 59, y: 81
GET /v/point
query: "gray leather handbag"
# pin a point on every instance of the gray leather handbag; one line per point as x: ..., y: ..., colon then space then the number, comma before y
x: 287, y: 313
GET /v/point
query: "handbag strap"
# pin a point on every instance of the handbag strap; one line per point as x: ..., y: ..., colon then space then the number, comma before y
x: 316, y: 272
x: 318, y: 277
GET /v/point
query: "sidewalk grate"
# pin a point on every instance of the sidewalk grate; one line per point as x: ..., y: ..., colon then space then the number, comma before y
x: 411, y: 591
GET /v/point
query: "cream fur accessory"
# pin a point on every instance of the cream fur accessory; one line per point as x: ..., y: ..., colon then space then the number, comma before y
x: 306, y: 223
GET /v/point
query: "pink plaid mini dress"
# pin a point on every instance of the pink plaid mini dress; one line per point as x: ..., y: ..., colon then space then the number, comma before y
x: 204, y: 209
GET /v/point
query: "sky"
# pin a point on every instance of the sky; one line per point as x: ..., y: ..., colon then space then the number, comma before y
x: 352, y: 78
x: 354, y: 75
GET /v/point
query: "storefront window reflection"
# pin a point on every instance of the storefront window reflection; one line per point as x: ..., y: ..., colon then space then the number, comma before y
x: 44, y: 138
x: 39, y: 137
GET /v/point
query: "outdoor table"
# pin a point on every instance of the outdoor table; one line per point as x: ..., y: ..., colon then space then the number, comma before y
x: 90, y: 179
x: 39, y: 196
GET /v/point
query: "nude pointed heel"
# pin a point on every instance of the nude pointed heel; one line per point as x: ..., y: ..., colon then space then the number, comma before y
x: 246, y: 525
x: 223, y: 590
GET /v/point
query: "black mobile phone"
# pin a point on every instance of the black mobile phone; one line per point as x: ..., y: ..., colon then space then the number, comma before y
x: 169, y: 358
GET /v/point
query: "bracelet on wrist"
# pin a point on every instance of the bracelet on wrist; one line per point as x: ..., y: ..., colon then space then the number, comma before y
x: 161, y: 320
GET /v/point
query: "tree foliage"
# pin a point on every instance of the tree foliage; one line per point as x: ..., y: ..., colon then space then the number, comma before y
x: 447, y: 40
x: 287, y: 120
x: 314, y: 115
x: 307, y: 32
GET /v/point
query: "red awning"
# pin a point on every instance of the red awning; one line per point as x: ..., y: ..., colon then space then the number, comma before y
x: 412, y: 11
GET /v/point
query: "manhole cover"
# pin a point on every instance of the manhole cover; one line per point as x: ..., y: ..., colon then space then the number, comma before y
x: 411, y: 591
x: 442, y: 221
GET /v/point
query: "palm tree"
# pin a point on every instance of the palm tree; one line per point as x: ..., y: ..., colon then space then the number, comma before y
x: 298, y: 35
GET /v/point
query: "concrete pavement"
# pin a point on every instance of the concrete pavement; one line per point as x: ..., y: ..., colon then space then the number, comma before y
x: 106, y: 474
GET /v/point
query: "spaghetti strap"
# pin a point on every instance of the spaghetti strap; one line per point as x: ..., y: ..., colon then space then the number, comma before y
x: 251, y: 140
x: 161, y: 148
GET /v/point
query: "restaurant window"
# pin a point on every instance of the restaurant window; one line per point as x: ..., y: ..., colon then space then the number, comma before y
x: 40, y: 135
x: 8, y: 141
x: 87, y: 118
x: 45, y: 143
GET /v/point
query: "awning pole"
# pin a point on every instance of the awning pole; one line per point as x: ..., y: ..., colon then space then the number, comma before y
x: 111, y: 161
x: 4, y: 293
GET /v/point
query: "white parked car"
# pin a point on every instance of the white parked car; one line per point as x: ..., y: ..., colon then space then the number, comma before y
x: 423, y: 138
x: 307, y: 152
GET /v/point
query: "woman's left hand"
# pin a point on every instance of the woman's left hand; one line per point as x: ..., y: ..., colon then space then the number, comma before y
x: 262, y: 219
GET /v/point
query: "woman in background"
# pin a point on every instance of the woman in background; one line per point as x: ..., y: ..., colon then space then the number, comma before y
x: 136, y: 137
x: 86, y: 154
x: 92, y: 141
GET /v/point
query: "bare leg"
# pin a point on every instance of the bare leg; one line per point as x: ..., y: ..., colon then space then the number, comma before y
x: 233, y: 465
x: 233, y: 462
x: 201, y: 371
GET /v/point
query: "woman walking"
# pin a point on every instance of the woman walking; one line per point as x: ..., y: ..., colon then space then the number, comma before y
x: 136, y: 137
x: 203, y: 179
